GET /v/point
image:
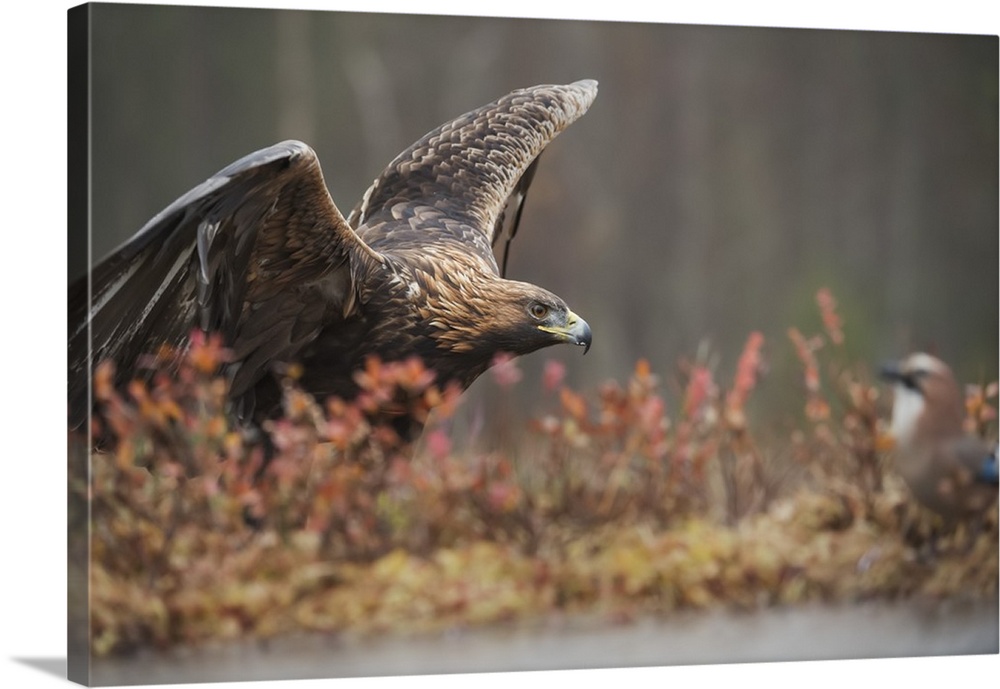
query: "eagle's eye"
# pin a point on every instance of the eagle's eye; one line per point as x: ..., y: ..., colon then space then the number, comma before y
x: 538, y: 311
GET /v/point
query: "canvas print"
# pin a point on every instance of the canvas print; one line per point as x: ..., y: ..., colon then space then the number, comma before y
x: 420, y: 344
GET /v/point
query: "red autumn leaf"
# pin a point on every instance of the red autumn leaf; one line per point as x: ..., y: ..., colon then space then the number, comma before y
x: 831, y: 319
x: 573, y: 403
x: 438, y: 444
x: 553, y: 374
x: 505, y: 370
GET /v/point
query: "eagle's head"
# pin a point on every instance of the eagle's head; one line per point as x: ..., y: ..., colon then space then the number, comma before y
x: 499, y: 316
x: 528, y: 318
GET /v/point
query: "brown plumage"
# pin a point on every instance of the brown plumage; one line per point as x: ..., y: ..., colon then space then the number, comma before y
x: 948, y: 470
x: 260, y: 254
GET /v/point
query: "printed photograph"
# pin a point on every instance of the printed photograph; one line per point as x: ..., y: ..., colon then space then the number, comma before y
x: 417, y: 344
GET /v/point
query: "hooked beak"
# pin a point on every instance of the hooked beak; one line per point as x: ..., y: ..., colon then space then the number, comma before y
x: 575, y: 331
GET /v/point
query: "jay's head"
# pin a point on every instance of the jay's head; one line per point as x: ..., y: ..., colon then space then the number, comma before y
x: 927, y: 403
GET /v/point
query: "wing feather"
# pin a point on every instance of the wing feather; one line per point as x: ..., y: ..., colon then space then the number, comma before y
x: 474, y: 170
x: 250, y: 253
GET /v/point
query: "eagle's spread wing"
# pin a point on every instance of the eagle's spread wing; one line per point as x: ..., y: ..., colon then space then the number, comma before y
x: 258, y: 253
x: 465, y: 181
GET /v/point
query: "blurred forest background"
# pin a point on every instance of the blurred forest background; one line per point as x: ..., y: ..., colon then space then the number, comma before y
x: 722, y: 176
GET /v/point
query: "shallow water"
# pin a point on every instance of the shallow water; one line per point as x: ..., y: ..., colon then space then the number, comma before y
x: 864, y: 630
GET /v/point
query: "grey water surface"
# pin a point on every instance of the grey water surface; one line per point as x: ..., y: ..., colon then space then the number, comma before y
x: 863, y: 630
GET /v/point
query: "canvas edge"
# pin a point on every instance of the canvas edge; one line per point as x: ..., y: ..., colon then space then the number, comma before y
x: 78, y: 26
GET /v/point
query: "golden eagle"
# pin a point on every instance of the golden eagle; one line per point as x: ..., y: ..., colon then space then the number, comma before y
x: 260, y: 254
